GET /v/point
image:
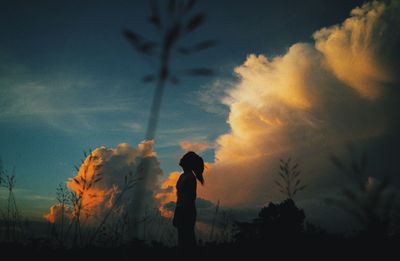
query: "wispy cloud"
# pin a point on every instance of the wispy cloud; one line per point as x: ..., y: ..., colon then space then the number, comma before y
x: 180, y: 130
x: 33, y: 99
x: 211, y: 97
x: 26, y: 195
x: 57, y: 103
x: 196, y: 145
x: 174, y: 136
x: 131, y: 127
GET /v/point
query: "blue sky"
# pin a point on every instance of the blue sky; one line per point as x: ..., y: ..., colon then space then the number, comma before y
x: 69, y: 80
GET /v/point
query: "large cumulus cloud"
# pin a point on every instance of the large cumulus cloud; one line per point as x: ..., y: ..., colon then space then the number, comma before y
x: 308, y: 103
x: 112, y: 167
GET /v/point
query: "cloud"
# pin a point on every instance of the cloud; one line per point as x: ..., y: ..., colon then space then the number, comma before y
x: 173, y: 137
x: 132, y: 127
x: 56, y: 214
x: 352, y: 50
x: 56, y: 100
x: 197, y: 146
x: 58, y: 107
x: 167, y: 194
x: 167, y: 197
x: 111, y: 167
x: 209, y: 98
x: 308, y: 103
x: 305, y: 103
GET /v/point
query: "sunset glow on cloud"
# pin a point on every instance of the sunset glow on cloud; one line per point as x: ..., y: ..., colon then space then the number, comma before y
x: 168, y: 193
x: 352, y: 50
x: 305, y: 103
x: 198, y: 146
x: 110, y: 166
x: 55, y: 214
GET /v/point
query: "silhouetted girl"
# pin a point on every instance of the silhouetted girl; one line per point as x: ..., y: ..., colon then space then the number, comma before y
x: 185, y: 211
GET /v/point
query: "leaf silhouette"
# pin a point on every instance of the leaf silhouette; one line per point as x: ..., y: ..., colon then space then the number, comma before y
x: 295, y: 166
x: 302, y: 187
x: 154, y: 17
x: 279, y: 184
x: 148, y: 47
x: 133, y: 37
x: 138, y: 43
x: 195, y: 22
x: 76, y: 181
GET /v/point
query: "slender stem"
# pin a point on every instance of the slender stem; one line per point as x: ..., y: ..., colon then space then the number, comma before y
x: 62, y: 223
x: 157, y: 96
x: 155, y: 110
x: 8, y: 214
x: 107, y: 215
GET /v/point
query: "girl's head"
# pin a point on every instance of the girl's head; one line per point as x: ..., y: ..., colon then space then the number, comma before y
x: 193, y: 163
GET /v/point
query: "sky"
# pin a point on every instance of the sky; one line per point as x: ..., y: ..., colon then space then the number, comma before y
x: 70, y: 82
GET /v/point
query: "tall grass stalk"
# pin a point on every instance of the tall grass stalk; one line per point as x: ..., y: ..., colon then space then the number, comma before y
x: 290, y: 182
x: 84, y: 183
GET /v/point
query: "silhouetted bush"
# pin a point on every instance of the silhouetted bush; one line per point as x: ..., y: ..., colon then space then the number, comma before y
x: 275, y: 222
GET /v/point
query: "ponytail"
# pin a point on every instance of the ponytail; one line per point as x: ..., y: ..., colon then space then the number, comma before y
x: 198, y: 169
x: 195, y: 163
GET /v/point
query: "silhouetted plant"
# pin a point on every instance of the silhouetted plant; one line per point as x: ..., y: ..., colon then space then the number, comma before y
x: 226, y: 224
x: 368, y: 200
x: 282, y: 221
x: 84, y: 183
x: 129, y: 182
x: 290, y: 183
x: 172, y: 23
x: 2, y: 172
x: 213, y: 221
x: 63, y: 195
x: 283, y: 218
x: 2, y: 215
x: 12, y: 215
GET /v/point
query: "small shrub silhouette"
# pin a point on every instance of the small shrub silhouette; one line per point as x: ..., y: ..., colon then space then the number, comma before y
x: 12, y: 216
x: 275, y: 222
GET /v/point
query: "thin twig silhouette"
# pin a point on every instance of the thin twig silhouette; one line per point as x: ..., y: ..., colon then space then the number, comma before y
x: 172, y: 23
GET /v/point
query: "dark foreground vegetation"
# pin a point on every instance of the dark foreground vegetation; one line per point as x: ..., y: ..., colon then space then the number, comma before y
x: 280, y: 229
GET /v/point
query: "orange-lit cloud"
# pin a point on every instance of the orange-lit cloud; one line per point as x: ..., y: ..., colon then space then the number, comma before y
x: 101, y: 178
x: 197, y: 146
x: 352, y: 50
x: 167, y: 193
x: 55, y: 214
x: 306, y: 103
